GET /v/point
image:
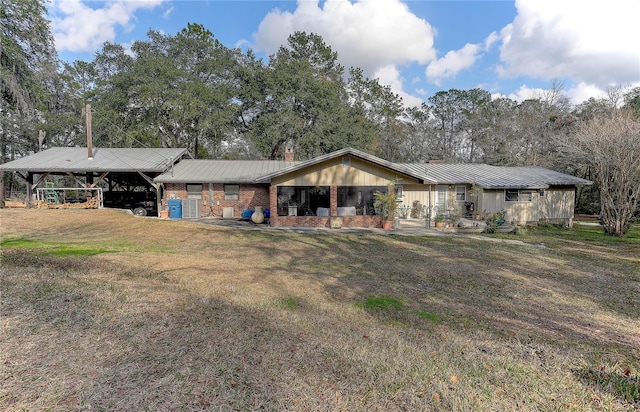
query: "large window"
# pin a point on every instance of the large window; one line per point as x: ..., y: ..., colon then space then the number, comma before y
x: 303, y: 200
x: 359, y: 197
x: 513, y: 195
x: 194, y: 191
x: 231, y: 192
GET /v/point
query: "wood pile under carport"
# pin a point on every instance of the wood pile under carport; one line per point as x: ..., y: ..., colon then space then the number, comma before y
x: 92, y: 203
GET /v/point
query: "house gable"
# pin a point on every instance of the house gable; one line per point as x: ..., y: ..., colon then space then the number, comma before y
x: 342, y: 171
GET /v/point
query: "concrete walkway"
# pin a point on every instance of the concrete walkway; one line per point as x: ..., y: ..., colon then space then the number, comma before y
x: 406, y: 227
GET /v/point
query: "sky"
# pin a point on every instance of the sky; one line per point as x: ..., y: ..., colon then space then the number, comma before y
x: 515, y: 48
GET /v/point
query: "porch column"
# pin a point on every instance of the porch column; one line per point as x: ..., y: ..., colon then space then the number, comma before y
x: 273, y: 206
x: 333, y: 200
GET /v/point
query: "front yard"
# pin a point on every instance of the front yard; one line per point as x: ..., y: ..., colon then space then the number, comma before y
x: 101, y: 310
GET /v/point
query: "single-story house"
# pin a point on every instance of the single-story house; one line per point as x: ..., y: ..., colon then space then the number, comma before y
x: 337, y: 189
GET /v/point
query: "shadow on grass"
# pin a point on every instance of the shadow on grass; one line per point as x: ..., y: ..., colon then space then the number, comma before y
x: 513, y: 291
x: 123, y: 345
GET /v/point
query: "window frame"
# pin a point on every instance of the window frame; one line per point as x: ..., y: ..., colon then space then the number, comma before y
x: 231, y: 195
x: 521, y: 195
x: 194, y: 194
x: 464, y: 193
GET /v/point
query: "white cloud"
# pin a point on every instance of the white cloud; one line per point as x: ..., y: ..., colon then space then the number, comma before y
x: 366, y: 34
x: 526, y: 93
x: 490, y: 40
x: 452, y: 63
x: 80, y: 28
x: 584, y: 91
x: 592, y: 43
x: 389, y: 75
x: 167, y: 13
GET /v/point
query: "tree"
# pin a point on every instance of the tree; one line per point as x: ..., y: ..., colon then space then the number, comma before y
x: 175, y: 91
x: 28, y: 63
x: 303, y: 102
x: 383, y: 110
x: 611, y: 145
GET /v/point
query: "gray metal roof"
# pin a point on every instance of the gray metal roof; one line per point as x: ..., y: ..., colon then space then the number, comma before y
x: 221, y: 171
x: 495, y: 177
x: 75, y: 159
x: 262, y: 171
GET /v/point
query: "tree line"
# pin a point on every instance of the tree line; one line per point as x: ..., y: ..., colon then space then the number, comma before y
x: 189, y: 90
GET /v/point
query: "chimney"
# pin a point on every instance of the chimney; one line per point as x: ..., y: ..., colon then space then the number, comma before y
x: 89, y: 138
x: 288, y: 154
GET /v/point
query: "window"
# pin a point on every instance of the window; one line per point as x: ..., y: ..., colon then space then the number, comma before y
x: 360, y: 197
x: 525, y: 196
x: 461, y: 193
x: 441, y: 199
x: 194, y: 191
x: 541, y: 192
x: 231, y: 192
x: 303, y: 200
x: 512, y: 195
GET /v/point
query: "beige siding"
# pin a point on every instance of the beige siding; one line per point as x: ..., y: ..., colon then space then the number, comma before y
x: 413, y: 193
x: 520, y: 212
x: 557, y: 204
x: 333, y: 172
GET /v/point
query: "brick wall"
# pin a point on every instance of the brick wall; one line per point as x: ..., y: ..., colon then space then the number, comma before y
x: 324, y: 221
x: 251, y: 195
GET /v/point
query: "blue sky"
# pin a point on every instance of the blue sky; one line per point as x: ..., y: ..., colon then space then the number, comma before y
x: 510, y: 48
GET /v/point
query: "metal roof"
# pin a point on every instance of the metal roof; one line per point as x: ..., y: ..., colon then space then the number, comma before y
x: 75, y: 159
x: 495, y: 177
x: 221, y: 171
x: 262, y: 171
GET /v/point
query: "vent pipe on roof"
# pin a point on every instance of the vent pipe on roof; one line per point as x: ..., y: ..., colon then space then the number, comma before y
x: 89, y: 138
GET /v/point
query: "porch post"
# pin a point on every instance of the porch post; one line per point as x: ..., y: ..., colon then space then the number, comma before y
x: 273, y: 206
x: 333, y: 200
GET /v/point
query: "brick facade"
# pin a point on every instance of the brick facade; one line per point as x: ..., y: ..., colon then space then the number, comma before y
x: 252, y: 195
x: 212, y: 203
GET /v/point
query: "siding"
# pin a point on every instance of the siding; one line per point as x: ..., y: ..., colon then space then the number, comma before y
x: 358, y: 173
x: 520, y: 212
x: 558, y: 204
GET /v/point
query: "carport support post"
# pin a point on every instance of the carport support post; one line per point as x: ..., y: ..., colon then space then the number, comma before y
x: 88, y: 183
x: 29, y: 188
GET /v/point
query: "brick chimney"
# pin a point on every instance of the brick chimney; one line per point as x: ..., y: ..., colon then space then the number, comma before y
x: 288, y: 154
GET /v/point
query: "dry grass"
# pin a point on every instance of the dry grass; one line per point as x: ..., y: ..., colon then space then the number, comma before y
x: 104, y: 311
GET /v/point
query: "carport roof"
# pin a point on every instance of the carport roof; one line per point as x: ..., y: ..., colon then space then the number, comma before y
x: 76, y: 160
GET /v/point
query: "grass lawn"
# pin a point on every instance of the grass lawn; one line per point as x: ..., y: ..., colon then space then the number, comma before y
x: 101, y: 310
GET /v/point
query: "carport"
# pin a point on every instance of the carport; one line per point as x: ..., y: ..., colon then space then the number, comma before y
x: 119, y: 177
